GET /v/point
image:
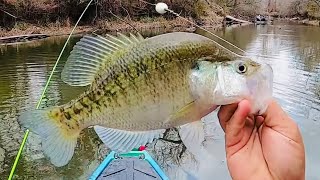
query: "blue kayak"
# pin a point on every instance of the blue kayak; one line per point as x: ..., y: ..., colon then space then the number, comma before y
x: 128, y: 166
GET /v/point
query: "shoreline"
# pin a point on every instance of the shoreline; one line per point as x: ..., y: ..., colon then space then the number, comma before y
x: 31, y: 31
x: 304, y: 21
x: 309, y: 22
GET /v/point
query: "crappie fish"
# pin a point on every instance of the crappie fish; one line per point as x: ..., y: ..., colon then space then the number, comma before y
x: 139, y: 87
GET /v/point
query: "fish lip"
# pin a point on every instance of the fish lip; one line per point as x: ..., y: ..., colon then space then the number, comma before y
x: 261, y: 89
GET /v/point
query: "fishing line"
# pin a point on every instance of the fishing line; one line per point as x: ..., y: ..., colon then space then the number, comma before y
x: 161, y: 8
x: 44, y: 91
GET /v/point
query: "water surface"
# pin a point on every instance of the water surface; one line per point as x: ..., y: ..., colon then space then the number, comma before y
x: 292, y: 50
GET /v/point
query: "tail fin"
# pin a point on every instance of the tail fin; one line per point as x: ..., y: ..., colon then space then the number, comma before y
x: 58, y: 142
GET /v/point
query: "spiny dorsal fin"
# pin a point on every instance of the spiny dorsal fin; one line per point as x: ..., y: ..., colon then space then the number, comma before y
x: 90, y: 53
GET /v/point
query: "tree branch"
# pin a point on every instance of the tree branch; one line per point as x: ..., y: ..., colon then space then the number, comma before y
x: 8, y: 13
x: 123, y: 20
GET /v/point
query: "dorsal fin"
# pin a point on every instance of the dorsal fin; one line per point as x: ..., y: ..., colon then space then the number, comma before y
x: 90, y: 53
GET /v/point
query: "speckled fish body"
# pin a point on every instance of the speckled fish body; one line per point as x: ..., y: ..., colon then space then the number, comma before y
x: 145, y: 84
x: 139, y: 87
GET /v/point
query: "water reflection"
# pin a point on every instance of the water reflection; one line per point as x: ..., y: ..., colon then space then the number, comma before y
x: 292, y: 50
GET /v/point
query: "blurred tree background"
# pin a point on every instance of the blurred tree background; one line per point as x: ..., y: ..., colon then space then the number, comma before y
x: 65, y: 12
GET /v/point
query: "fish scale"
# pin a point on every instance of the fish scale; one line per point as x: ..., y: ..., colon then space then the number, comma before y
x: 157, y: 60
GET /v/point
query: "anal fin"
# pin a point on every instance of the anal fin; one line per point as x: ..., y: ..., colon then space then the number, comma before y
x: 125, y: 141
x: 192, y: 134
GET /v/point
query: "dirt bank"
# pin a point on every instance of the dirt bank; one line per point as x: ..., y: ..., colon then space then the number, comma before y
x: 310, y: 22
x: 111, y: 26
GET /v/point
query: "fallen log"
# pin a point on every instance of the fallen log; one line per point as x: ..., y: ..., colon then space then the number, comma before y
x: 229, y: 20
x: 22, y: 38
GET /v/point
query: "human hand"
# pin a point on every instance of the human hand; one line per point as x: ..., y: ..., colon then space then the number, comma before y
x: 269, y: 146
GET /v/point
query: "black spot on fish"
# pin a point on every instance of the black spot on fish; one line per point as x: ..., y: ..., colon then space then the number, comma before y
x: 105, y: 103
x: 67, y: 115
x: 91, y: 96
x: 144, y: 68
x: 76, y: 110
x: 83, y: 104
x: 97, y: 106
x: 119, y: 84
x: 98, y: 93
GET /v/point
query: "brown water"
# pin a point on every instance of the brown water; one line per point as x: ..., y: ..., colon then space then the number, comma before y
x: 292, y: 50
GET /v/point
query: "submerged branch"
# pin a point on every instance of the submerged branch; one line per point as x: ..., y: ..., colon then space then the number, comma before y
x: 172, y: 141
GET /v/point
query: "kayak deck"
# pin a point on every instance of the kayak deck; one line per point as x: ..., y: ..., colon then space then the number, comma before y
x: 129, y: 166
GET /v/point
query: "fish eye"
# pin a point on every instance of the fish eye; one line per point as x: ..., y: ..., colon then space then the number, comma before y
x: 241, y: 68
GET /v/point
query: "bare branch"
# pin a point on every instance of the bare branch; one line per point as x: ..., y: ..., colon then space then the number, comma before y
x: 128, y: 15
x: 123, y: 20
x: 9, y: 13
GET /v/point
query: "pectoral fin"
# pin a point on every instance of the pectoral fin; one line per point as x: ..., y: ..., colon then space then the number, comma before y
x: 191, y: 127
x: 193, y: 111
x: 192, y: 134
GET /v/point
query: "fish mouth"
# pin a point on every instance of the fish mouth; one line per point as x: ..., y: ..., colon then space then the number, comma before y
x: 268, y: 68
x: 261, y: 94
x: 267, y: 73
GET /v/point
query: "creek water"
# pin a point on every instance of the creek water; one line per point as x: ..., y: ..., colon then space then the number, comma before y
x: 292, y: 50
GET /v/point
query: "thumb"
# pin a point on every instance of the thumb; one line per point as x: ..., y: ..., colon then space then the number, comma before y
x: 277, y: 119
x: 235, y: 126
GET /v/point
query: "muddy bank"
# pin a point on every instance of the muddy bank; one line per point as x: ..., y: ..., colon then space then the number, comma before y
x: 310, y: 22
x: 177, y: 24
